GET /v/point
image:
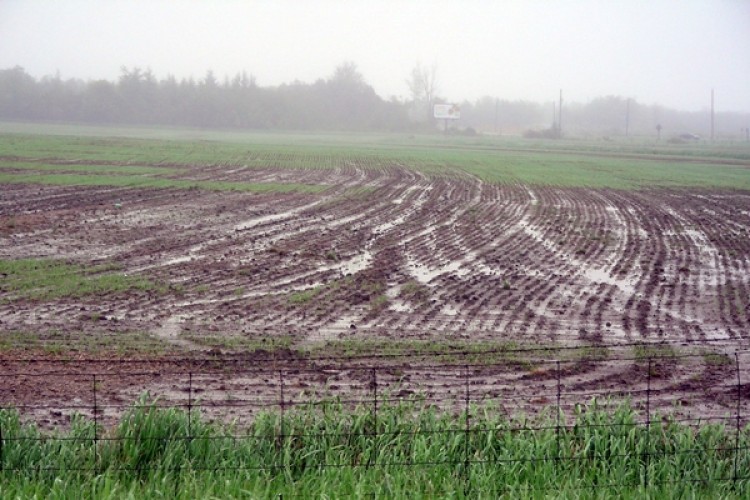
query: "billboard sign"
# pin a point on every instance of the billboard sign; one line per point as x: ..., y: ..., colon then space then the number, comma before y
x: 447, y: 111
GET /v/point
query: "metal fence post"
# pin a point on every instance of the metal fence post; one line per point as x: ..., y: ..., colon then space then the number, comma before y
x: 282, y: 414
x: 190, y: 416
x: 374, y: 385
x: 96, y: 428
x: 647, y: 451
x: 467, y: 476
x: 739, y: 410
x: 557, y: 426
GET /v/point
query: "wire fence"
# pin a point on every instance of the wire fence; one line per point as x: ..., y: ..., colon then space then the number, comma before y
x: 533, y: 395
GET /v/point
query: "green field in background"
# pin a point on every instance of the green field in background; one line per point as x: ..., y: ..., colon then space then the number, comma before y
x: 624, y: 164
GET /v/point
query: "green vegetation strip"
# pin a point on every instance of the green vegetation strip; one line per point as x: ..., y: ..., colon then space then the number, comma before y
x: 42, y: 279
x: 442, y: 350
x: 150, y: 182
x: 89, y: 169
x: 268, y: 343
x: 566, y: 163
x: 405, y: 451
x: 66, y: 344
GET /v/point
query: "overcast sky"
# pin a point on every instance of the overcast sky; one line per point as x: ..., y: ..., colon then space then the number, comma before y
x: 656, y: 51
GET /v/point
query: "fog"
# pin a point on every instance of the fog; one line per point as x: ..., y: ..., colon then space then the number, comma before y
x: 667, y: 52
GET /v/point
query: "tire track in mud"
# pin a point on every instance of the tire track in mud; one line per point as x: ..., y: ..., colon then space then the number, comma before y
x: 335, y: 218
x: 482, y: 261
x: 413, y: 256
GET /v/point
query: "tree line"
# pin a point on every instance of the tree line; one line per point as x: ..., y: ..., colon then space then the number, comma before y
x: 609, y: 116
x: 343, y: 101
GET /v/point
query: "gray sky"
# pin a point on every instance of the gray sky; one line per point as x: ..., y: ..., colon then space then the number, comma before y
x: 670, y: 52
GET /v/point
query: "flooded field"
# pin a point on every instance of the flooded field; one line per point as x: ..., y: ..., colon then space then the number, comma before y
x: 377, y: 254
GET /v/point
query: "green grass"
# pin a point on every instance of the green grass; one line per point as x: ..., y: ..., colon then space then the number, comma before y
x: 644, y: 352
x: 304, y: 296
x: 567, y: 163
x: 47, y: 279
x: 238, y: 342
x: 89, y: 169
x: 378, y: 303
x: 474, y: 351
x: 414, y: 292
x: 594, y: 172
x: 153, y: 183
x: 527, y: 356
x: 69, y: 344
x: 408, y: 450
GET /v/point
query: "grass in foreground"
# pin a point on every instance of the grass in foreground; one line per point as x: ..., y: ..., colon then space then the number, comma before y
x: 409, y: 450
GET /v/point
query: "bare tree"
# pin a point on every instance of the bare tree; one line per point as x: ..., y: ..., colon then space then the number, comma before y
x: 423, y: 85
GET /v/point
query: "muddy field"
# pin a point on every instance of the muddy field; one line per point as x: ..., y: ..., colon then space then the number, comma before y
x: 389, y: 254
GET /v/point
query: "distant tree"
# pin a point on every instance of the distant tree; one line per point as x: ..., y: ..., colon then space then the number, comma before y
x: 423, y: 87
x: 491, y: 113
x: 101, y: 103
x: 343, y: 101
x: 17, y: 93
x: 348, y: 74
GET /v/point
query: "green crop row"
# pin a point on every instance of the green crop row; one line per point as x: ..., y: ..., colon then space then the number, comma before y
x: 130, y: 181
x: 46, y: 279
x: 558, y: 163
x: 89, y: 169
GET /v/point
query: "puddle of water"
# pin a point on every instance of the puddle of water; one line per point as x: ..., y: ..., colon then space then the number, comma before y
x: 334, y: 330
x: 170, y: 330
x: 177, y: 260
x: 592, y: 274
x: 424, y: 275
x: 402, y: 198
x: 400, y: 306
x: 273, y: 217
x: 387, y: 226
x: 537, y: 235
x: 532, y: 195
x: 449, y: 310
x: 357, y: 263
x: 602, y: 276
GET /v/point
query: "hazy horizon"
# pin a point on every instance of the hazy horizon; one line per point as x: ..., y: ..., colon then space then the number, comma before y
x: 666, y: 52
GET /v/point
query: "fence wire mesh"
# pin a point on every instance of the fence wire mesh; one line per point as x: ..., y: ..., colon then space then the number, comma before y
x: 486, y: 398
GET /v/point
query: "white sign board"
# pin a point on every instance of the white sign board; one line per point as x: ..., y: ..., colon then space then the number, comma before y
x: 447, y: 111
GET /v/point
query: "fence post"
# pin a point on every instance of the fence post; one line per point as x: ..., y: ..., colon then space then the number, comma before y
x: 647, y: 452
x: 281, y: 407
x: 559, y: 409
x: 96, y: 428
x: 739, y: 409
x: 467, y: 476
x: 374, y: 385
x: 190, y: 416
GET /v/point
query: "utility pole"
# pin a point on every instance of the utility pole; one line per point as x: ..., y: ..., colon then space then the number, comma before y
x: 497, y: 105
x: 627, y: 116
x: 559, y: 116
x: 554, y: 115
x: 712, y: 114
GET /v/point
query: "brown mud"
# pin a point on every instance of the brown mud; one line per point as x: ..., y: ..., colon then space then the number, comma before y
x: 391, y: 254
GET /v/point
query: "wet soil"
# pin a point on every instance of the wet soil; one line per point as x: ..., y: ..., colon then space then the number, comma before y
x: 389, y: 254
